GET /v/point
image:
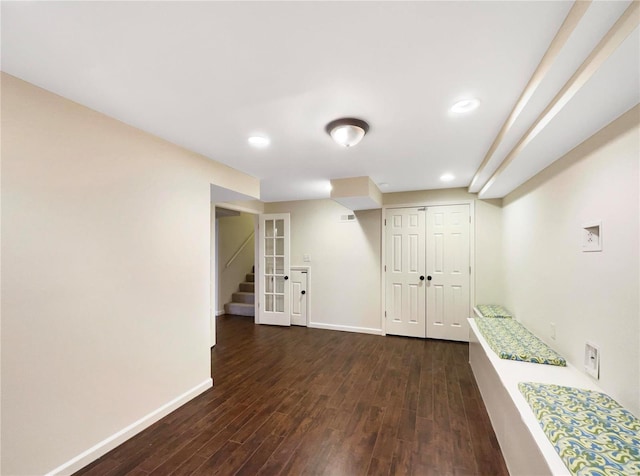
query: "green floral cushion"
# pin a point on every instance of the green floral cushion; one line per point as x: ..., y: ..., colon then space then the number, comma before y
x: 493, y: 310
x: 512, y: 341
x: 590, y: 431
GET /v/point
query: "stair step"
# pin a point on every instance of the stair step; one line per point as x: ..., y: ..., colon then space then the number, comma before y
x: 247, y: 287
x: 250, y: 278
x: 244, y: 297
x: 239, y: 309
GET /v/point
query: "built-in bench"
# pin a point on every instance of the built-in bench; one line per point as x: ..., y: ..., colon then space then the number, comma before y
x: 510, y: 340
x: 526, y: 448
x: 591, y: 432
x: 492, y: 310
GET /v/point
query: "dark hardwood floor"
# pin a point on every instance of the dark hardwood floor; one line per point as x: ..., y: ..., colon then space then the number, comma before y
x: 310, y: 401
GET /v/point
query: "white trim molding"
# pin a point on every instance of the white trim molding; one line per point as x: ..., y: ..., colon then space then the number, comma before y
x: 109, y: 443
x: 337, y: 327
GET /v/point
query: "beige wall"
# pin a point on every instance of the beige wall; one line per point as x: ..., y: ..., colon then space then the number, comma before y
x: 433, y: 197
x: 105, y: 276
x: 590, y: 296
x: 489, y: 261
x: 344, y: 291
x: 251, y: 206
x: 232, y: 232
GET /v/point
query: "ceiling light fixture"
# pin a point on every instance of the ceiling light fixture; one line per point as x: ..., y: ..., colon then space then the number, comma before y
x: 259, y: 141
x: 465, y: 105
x: 446, y: 177
x: 347, y: 131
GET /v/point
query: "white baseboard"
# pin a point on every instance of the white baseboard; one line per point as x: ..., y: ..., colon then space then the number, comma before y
x: 337, y: 327
x: 220, y: 312
x: 123, y: 435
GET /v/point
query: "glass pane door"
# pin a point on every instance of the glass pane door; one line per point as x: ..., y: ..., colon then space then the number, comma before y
x: 274, y: 248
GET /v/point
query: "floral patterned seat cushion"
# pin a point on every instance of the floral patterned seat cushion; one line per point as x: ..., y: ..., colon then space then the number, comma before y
x: 510, y: 340
x: 590, y: 431
x: 493, y: 310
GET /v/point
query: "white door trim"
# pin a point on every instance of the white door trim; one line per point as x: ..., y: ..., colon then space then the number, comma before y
x: 213, y: 274
x: 472, y: 251
x: 257, y: 267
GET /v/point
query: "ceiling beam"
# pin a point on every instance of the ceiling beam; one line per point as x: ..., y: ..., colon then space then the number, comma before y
x: 564, y: 32
x: 622, y: 28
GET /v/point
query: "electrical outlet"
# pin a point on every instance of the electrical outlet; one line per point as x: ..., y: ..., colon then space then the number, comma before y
x: 592, y: 360
x: 552, y: 330
x: 592, y: 236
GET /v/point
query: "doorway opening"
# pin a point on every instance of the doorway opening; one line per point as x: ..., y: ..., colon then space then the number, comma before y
x: 235, y: 262
x: 225, y: 203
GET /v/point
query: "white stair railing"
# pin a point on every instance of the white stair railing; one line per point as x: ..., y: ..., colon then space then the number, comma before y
x: 242, y: 246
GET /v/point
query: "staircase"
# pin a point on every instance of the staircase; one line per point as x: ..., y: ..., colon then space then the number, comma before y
x: 242, y: 301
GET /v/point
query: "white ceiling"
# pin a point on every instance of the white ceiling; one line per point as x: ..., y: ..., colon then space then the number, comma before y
x: 206, y: 75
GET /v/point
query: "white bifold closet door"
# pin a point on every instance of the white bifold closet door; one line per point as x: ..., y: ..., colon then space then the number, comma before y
x: 405, y: 272
x: 427, y: 271
x: 448, y: 272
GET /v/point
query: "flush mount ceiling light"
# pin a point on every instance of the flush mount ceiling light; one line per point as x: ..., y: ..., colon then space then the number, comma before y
x: 465, y: 105
x: 446, y: 177
x: 347, y: 131
x: 259, y: 141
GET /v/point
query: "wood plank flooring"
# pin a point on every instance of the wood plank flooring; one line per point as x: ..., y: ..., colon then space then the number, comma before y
x: 309, y: 401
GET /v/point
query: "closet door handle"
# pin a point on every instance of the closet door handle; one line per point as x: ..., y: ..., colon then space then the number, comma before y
x: 421, y: 278
x: 303, y: 292
x: 286, y: 277
x: 429, y: 278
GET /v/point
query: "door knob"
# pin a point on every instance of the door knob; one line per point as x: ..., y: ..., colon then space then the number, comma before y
x: 429, y: 278
x: 421, y: 278
x: 303, y: 292
x: 286, y: 277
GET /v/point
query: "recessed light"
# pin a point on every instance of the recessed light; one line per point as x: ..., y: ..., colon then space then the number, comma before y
x: 465, y: 105
x: 446, y: 177
x: 259, y: 141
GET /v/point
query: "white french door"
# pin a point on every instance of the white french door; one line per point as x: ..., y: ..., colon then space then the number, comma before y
x: 448, y: 272
x: 405, y: 277
x: 427, y: 271
x: 274, y: 287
